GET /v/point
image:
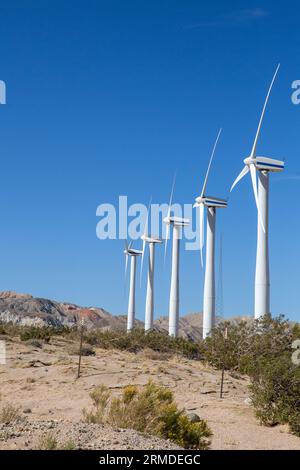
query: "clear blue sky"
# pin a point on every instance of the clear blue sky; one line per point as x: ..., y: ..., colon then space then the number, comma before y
x: 110, y: 97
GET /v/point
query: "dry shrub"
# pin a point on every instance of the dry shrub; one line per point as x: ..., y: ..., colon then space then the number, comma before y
x: 152, y: 355
x: 151, y: 410
x: 9, y: 414
x: 47, y: 442
x: 139, y: 340
x: 86, y: 350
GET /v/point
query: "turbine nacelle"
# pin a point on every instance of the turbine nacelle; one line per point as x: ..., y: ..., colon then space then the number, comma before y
x: 132, y: 252
x: 151, y: 239
x: 176, y: 221
x: 210, y: 201
x: 265, y: 163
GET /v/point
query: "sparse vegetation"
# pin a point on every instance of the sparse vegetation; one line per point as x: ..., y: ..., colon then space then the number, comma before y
x: 86, y: 350
x: 35, y: 343
x: 151, y: 410
x: 263, y: 350
x: 9, y: 414
x: 47, y: 442
x: 30, y: 380
x: 44, y: 333
x: 27, y: 333
x: 138, y: 340
x: 69, y: 445
x: 260, y: 349
x: 153, y: 343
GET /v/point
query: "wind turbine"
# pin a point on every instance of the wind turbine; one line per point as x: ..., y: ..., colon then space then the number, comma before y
x: 262, y: 165
x: 211, y: 203
x: 152, y: 241
x: 129, y: 251
x: 177, y: 223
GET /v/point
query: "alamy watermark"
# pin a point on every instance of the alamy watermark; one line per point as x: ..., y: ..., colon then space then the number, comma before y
x: 2, y: 92
x: 296, y: 93
x: 130, y: 221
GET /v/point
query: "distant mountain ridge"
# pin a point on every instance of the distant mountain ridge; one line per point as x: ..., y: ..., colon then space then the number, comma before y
x: 24, y: 309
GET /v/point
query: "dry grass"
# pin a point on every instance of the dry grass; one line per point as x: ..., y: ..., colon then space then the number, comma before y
x: 47, y: 442
x: 9, y: 414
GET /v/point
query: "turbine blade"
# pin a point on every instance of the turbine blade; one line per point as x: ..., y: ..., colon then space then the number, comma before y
x: 201, y: 209
x: 142, y: 261
x: 241, y: 175
x: 210, y: 162
x: 172, y: 192
x: 125, y: 274
x: 126, y: 265
x: 144, y: 242
x: 167, y: 237
x: 253, y: 151
x: 168, y: 215
x: 254, y: 184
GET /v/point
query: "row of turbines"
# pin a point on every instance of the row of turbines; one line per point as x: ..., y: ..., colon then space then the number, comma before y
x: 259, y: 169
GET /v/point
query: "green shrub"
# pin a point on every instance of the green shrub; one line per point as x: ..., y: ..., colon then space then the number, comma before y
x: 151, y: 410
x: 263, y: 350
x: 10, y: 329
x: 177, y: 427
x: 138, y: 340
x: 227, y: 353
x: 275, y: 387
x: 34, y: 332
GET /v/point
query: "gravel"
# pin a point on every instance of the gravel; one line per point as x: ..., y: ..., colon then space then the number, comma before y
x: 26, y: 434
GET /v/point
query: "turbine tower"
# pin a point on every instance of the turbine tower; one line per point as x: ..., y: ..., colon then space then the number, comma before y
x: 129, y: 251
x: 177, y: 223
x: 211, y: 203
x: 262, y: 165
x: 152, y: 241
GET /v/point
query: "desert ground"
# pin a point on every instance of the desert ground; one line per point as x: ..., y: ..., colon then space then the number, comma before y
x: 43, y: 384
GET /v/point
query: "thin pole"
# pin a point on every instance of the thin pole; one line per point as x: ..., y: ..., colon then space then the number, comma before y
x: 223, y: 367
x: 222, y: 382
x: 80, y: 349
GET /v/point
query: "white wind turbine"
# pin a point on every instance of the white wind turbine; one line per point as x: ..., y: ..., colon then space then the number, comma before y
x: 129, y: 251
x: 152, y: 241
x: 211, y: 203
x: 262, y: 165
x: 177, y: 223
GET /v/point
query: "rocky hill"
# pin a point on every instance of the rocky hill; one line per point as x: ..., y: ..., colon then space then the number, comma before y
x: 24, y: 309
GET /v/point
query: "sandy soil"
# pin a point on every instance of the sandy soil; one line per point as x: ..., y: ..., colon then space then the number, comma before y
x: 43, y: 383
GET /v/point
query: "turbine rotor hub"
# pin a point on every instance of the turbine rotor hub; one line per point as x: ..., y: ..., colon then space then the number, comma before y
x: 249, y: 160
x: 199, y: 200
